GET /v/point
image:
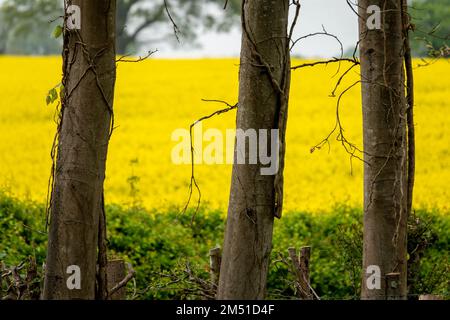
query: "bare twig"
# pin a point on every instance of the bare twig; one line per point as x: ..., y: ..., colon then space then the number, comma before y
x: 139, y: 59
x: 193, y: 183
x: 349, y: 147
x: 176, y: 30
x: 325, y: 62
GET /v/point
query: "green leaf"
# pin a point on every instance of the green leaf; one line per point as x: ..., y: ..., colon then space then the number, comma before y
x: 57, y: 32
x: 52, y: 96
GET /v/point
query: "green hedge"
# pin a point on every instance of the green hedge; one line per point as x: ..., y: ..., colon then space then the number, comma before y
x: 158, y: 244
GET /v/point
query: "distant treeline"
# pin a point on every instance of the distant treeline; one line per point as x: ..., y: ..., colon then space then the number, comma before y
x: 26, y: 26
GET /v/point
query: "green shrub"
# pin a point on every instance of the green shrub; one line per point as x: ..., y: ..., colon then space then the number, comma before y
x: 158, y: 245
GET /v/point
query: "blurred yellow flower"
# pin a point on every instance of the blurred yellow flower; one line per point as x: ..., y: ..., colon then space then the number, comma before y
x: 156, y: 97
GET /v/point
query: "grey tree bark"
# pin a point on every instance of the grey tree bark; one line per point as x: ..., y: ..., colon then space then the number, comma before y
x: 76, y: 204
x: 256, y: 199
x: 385, y: 147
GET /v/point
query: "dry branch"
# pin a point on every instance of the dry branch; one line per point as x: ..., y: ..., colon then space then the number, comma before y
x: 193, y: 182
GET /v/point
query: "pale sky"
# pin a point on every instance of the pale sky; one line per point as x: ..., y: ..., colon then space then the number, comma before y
x: 334, y: 15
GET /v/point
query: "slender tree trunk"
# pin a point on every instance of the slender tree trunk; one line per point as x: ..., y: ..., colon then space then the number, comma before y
x: 410, y: 107
x: 255, y: 199
x: 385, y: 146
x: 86, y: 120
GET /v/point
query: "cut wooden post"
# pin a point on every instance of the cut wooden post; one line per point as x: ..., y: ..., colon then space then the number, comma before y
x: 115, y: 271
x: 215, y: 258
x: 393, y: 291
x: 295, y: 260
x: 301, y: 269
x: 430, y: 297
x: 305, y: 255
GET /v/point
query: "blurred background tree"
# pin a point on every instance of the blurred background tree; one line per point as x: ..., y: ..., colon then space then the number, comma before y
x: 137, y: 17
x: 27, y: 24
x: 432, y: 26
x: 3, y: 34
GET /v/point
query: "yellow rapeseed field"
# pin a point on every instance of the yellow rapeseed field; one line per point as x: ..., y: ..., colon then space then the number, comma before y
x: 156, y: 97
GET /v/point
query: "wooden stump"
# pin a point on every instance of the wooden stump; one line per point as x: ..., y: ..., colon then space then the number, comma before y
x: 301, y: 268
x: 215, y: 258
x: 115, y: 270
x: 393, y: 286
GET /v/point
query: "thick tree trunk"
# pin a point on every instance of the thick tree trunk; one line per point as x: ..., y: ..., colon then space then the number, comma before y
x: 255, y: 198
x: 384, y: 114
x: 84, y: 131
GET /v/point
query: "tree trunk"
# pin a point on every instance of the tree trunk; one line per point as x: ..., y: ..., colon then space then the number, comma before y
x: 255, y: 198
x: 410, y: 108
x: 76, y: 203
x: 384, y: 114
